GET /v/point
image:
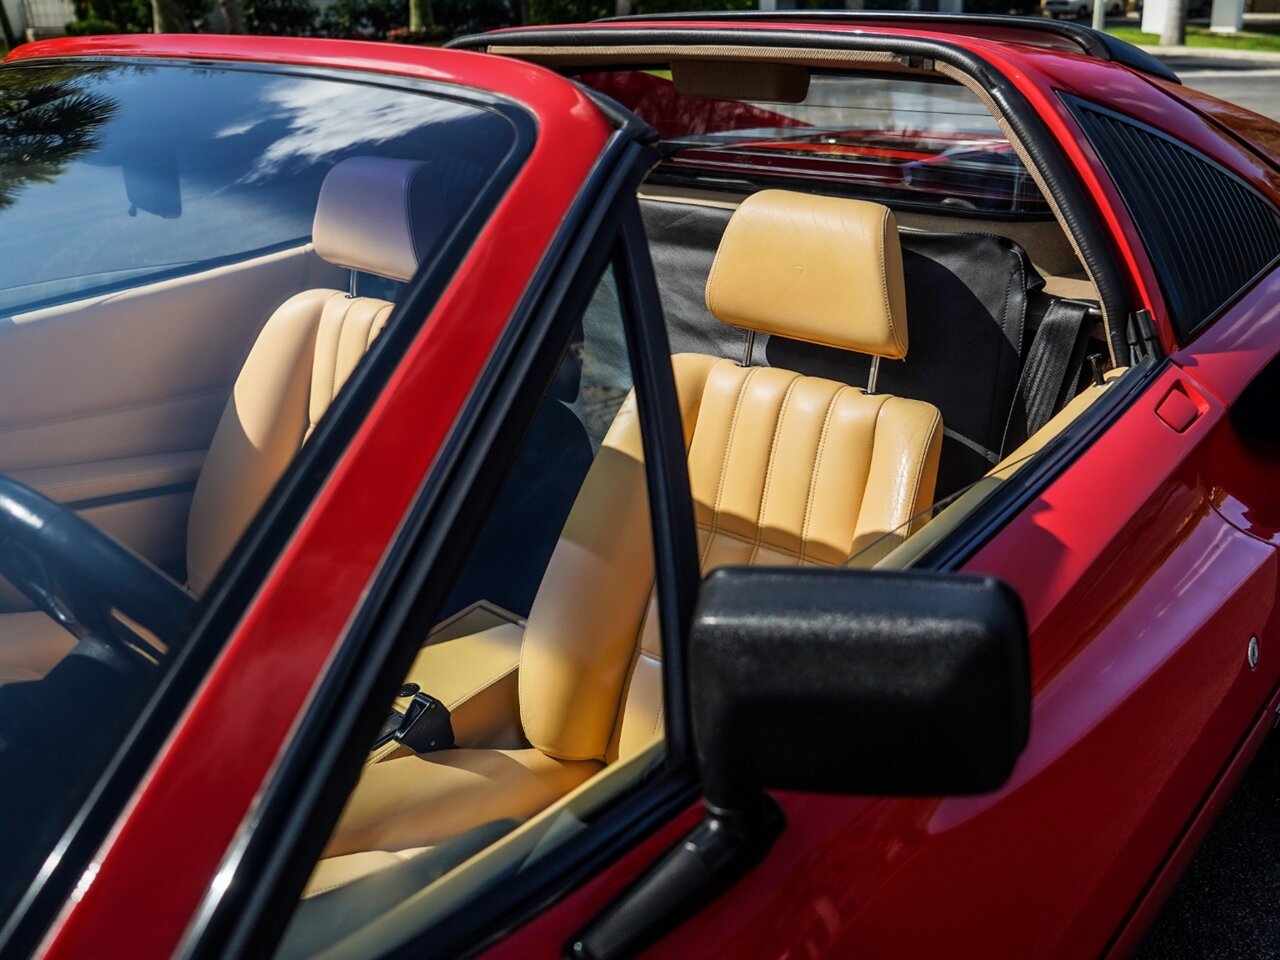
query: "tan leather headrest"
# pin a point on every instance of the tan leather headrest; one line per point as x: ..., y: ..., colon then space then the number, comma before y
x: 378, y: 215
x: 825, y: 270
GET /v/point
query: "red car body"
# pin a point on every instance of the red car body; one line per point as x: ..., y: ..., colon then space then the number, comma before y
x: 1145, y: 567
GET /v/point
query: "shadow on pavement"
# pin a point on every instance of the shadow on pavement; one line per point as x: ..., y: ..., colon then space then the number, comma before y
x: 1227, y: 905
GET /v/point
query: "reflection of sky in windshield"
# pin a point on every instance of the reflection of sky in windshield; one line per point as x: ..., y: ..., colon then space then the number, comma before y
x: 323, y: 120
x: 249, y: 150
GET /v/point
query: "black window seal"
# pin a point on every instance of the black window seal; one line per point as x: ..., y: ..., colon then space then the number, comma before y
x: 1088, y: 41
x: 223, y: 604
x: 1078, y: 106
x: 1073, y: 201
x: 300, y: 805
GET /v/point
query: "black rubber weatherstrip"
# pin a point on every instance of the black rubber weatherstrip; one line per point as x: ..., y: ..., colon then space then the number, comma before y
x: 1060, y: 179
x: 1092, y: 42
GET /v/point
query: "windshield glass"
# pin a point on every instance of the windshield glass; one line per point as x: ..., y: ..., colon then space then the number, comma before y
x: 900, y: 141
x: 156, y: 227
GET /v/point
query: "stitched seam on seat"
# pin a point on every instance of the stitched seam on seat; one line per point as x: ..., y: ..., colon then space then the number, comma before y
x: 382, y: 752
x: 724, y: 463
x: 756, y: 540
x: 715, y: 264
x: 662, y: 704
x: 375, y: 328
x: 768, y: 472
x: 813, y: 479
x: 871, y: 465
x: 337, y: 353
x: 637, y: 651
x: 915, y: 491
x: 884, y: 274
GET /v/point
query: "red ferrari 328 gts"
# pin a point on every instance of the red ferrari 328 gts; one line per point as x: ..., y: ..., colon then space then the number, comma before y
x: 742, y: 486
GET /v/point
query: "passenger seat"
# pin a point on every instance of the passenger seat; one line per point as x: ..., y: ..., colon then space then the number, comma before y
x: 785, y: 470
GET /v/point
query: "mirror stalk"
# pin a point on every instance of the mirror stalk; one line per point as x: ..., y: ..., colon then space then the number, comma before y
x: 708, y: 860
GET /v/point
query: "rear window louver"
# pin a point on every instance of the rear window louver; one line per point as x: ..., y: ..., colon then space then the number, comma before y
x: 1209, y: 235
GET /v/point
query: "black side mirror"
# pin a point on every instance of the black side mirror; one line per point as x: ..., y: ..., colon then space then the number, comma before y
x: 832, y: 681
x: 858, y: 682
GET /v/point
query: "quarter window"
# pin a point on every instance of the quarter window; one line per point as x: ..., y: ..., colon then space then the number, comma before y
x: 1209, y: 234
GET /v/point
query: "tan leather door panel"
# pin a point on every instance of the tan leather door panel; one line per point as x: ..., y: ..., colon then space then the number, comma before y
x: 141, y: 371
x: 106, y: 399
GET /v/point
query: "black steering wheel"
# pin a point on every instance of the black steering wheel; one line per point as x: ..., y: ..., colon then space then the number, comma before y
x: 102, y: 592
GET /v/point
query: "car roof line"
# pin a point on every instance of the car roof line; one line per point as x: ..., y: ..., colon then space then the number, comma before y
x: 1092, y: 43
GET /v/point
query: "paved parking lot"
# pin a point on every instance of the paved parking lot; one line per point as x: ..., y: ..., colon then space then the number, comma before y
x: 1227, y: 905
x: 1250, y: 83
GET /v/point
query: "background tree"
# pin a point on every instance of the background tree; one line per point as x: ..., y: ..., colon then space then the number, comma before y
x: 421, y: 17
x: 168, y: 16
x: 47, y: 120
x: 232, y: 14
x: 1174, y: 33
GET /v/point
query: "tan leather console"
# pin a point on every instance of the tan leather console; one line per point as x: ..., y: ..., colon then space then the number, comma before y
x: 470, y: 665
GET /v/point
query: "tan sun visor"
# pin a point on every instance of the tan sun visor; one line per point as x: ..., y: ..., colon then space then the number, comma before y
x: 726, y: 80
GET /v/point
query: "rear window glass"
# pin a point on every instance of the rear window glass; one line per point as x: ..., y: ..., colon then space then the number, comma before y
x: 905, y: 142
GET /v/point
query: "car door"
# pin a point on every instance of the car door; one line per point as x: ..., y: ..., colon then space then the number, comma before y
x: 1147, y: 565
x: 1146, y: 559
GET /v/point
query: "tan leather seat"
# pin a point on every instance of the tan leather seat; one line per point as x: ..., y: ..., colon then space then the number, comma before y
x: 785, y: 470
x: 373, y: 215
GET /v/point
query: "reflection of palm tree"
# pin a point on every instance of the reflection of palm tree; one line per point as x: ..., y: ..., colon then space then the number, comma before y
x: 47, y: 119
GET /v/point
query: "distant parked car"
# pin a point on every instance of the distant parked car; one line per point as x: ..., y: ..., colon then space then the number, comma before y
x: 1081, y: 9
x: 1195, y: 8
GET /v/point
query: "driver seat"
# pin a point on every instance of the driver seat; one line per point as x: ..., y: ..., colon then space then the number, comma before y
x: 374, y: 215
x: 784, y: 470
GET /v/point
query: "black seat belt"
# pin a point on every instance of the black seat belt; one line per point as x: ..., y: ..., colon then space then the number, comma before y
x: 1052, y: 368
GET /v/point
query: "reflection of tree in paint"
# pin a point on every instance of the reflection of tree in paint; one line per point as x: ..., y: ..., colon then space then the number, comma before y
x: 47, y: 120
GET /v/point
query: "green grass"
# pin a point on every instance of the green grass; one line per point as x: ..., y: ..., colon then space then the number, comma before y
x: 1264, y: 37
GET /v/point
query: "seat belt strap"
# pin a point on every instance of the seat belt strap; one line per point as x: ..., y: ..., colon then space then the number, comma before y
x: 1053, y: 365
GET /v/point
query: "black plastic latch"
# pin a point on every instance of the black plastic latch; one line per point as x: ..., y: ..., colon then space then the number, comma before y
x: 426, y: 726
x: 916, y: 62
x: 1144, y: 342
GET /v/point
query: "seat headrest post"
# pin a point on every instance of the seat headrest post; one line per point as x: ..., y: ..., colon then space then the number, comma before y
x: 824, y: 270
x: 351, y: 285
x: 871, y: 377
x: 751, y: 346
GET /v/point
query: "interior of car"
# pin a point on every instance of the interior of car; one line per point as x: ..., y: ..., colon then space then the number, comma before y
x: 860, y: 294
